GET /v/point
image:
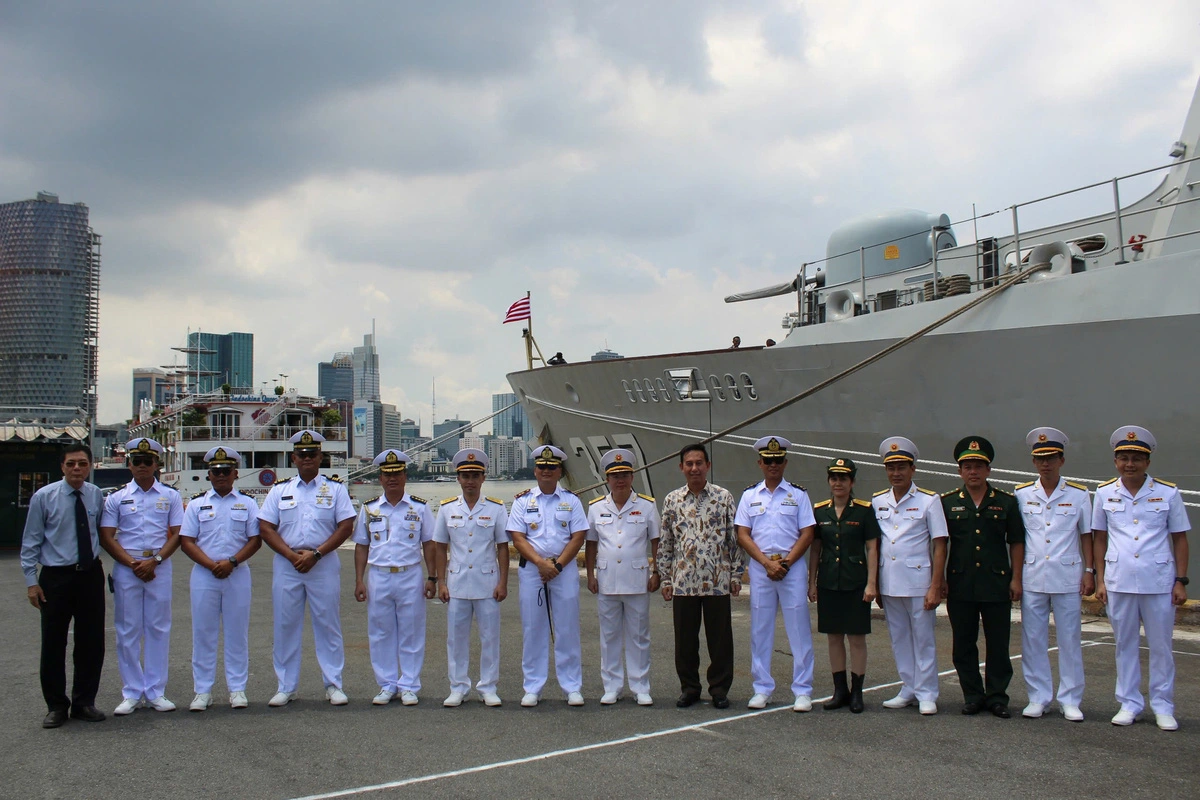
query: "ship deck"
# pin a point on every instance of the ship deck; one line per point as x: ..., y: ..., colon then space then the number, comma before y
x: 311, y: 749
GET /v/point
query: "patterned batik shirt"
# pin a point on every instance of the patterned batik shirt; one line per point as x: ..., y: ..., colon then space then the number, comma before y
x: 698, y: 552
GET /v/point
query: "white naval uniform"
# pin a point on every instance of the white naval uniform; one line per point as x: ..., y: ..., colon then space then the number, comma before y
x: 142, y: 610
x: 472, y: 570
x: 1139, y: 574
x: 908, y: 527
x: 393, y: 535
x: 306, y: 515
x: 623, y: 570
x: 775, y: 520
x: 221, y: 527
x: 548, y: 521
x: 1050, y: 580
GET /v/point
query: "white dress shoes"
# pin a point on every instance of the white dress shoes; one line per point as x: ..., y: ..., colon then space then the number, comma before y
x: 1166, y: 722
x: 408, y: 698
x: 238, y: 700
x: 608, y: 698
x: 127, y: 706
x: 803, y: 703
x: 529, y: 700
x: 200, y: 702
x: 383, y: 698
x: 1124, y: 717
x: 927, y: 708
x: 1072, y: 713
x: 491, y: 699
x: 644, y: 699
x: 336, y: 696
x: 900, y: 701
x: 1033, y: 711
x: 759, y: 700
x: 454, y: 700
x: 161, y: 703
x: 281, y: 699
x: 574, y: 699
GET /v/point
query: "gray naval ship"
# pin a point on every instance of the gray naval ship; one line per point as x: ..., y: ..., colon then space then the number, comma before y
x: 1098, y: 332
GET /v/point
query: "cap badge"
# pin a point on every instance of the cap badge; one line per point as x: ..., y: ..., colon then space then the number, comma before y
x: 1041, y: 437
x: 391, y: 458
x: 143, y: 445
x: 1131, y: 436
x: 618, y: 457
x: 841, y: 463
x: 547, y: 453
x: 220, y: 452
x: 773, y: 446
x: 974, y: 446
x: 470, y: 456
x: 895, y: 446
x: 306, y: 438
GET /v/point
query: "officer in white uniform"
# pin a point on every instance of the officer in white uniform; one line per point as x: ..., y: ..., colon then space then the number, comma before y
x: 622, y: 529
x: 912, y: 570
x: 775, y: 526
x: 471, y: 543
x: 140, y: 530
x: 304, y: 520
x: 219, y: 533
x: 1058, y: 571
x: 1140, y: 529
x: 548, y: 526
x: 394, y: 534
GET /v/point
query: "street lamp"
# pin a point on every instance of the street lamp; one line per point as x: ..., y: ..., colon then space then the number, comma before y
x: 283, y: 379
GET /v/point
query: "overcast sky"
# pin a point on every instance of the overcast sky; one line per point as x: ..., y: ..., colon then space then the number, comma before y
x: 295, y: 169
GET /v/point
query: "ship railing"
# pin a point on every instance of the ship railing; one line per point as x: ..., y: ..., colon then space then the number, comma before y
x: 271, y: 433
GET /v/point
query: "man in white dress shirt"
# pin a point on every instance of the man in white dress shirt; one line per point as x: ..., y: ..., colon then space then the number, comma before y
x: 305, y: 519
x: 219, y: 533
x: 1139, y: 526
x: 912, y: 570
x: 622, y: 529
x: 775, y: 526
x: 1058, y: 572
x: 394, y: 535
x: 548, y: 526
x: 471, y: 543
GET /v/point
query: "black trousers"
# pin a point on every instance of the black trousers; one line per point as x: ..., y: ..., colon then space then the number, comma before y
x: 965, y: 616
x: 718, y: 630
x: 71, y: 594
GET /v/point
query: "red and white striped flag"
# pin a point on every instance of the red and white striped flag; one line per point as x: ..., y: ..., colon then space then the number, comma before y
x: 518, y: 311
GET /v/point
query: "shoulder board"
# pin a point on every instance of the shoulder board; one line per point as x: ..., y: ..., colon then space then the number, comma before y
x: 1004, y: 492
x: 881, y: 491
x: 751, y: 486
x: 1031, y: 483
x: 863, y: 503
x: 1072, y: 484
x: 495, y: 500
x: 1164, y: 483
x: 798, y: 486
x: 597, y: 500
x: 951, y: 493
x: 823, y: 504
x: 416, y: 499
x: 522, y: 494
x: 333, y: 478
x: 279, y: 481
x: 930, y: 492
x: 449, y: 500
x: 197, y: 494
x: 651, y: 499
x: 1106, y: 483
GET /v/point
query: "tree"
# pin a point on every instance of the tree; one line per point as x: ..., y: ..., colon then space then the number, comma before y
x: 331, y: 418
x: 226, y: 389
x: 279, y: 390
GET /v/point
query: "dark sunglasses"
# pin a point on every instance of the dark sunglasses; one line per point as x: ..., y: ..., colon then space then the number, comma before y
x: 308, y: 453
x: 221, y: 470
x: 142, y: 461
x: 547, y: 466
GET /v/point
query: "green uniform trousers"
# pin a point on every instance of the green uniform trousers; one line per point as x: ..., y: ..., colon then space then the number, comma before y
x: 965, y: 616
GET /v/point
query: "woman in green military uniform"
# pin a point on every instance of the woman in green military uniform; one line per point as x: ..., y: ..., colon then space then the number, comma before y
x: 842, y: 579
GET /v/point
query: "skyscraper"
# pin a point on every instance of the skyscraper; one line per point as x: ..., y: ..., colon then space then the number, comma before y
x: 449, y: 446
x: 215, y: 359
x: 368, y: 412
x: 512, y: 423
x: 155, y: 385
x: 335, y: 378
x: 49, y: 306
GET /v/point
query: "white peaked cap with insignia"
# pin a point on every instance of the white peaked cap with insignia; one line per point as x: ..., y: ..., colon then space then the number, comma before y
x: 618, y: 460
x: 897, y: 448
x: 772, y: 447
x: 223, y: 456
x: 307, y: 438
x: 1047, y: 441
x: 470, y: 459
x: 1132, y: 437
x: 548, y: 454
x: 392, y: 460
x: 143, y: 446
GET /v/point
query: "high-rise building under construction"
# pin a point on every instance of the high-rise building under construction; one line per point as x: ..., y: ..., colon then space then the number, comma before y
x: 49, y: 308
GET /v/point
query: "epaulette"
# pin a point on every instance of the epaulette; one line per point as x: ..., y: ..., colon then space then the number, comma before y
x: 825, y: 503
x: 449, y: 500
x: 281, y: 480
x: 495, y: 500
x: 1106, y: 483
x: 881, y: 491
x: 651, y: 499
x: 197, y: 494
x: 333, y: 478
x: 1031, y: 483
x: 998, y: 490
x: 1072, y: 484
x: 522, y: 494
x: 1164, y: 483
x: 416, y: 499
x: 596, y: 500
x: 924, y: 491
x: 862, y: 503
x: 951, y: 493
x: 751, y: 486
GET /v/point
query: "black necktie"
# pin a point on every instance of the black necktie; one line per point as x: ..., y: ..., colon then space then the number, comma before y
x: 83, y: 532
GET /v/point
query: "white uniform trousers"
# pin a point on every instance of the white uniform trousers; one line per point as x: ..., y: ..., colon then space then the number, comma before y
x: 1155, y: 612
x: 458, y: 643
x: 321, y: 588
x: 142, y: 618
x: 625, y: 618
x: 790, y: 595
x: 217, y: 603
x: 396, y: 627
x: 1035, y: 646
x: 535, y: 628
x: 910, y: 628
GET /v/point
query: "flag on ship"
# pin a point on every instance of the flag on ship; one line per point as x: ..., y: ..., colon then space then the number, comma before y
x: 518, y: 311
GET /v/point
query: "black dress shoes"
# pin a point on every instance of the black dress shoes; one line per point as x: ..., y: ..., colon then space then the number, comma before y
x: 971, y: 709
x: 686, y: 700
x: 1000, y: 710
x: 720, y: 702
x: 88, y: 714
x: 54, y: 719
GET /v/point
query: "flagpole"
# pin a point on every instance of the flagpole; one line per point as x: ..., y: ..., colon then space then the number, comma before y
x: 529, y: 335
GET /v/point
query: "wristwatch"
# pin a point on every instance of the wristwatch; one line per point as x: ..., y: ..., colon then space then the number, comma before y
x: 157, y: 559
x: 431, y: 578
x: 1090, y: 570
x: 316, y: 554
x: 557, y: 566
x: 1182, y: 580
x: 233, y: 560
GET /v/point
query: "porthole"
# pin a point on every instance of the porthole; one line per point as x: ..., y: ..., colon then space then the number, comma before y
x: 663, y: 390
x: 637, y: 387
x: 733, y: 387
x: 748, y: 385
x: 714, y: 383
x: 628, y: 391
x: 650, y: 390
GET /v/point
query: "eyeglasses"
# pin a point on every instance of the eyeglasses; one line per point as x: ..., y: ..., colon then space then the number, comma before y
x: 307, y: 453
x: 547, y: 466
x: 142, y: 461
x: 221, y: 470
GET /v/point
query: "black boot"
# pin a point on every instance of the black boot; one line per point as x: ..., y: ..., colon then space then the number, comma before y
x: 856, y: 701
x: 841, y: 695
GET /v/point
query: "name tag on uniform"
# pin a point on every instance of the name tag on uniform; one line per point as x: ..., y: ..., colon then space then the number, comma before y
x: 287, y: 502
x: 207, y: 514
x: 377, y: 524
x: 1113, y: 504
x: 605, y: 519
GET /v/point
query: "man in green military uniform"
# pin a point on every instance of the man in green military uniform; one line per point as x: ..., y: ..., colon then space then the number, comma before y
x: 987, y: 549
